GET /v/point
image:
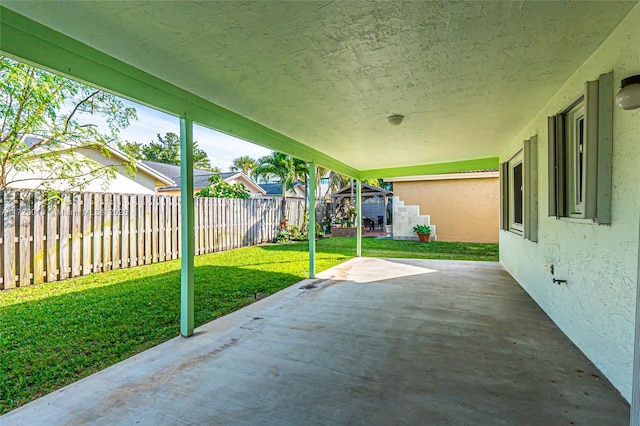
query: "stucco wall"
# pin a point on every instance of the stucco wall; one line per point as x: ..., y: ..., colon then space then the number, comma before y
x: 142, y: 183
x: 462, y: 209
x: 595, y: 308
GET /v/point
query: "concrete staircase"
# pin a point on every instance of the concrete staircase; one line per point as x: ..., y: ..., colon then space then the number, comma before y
x: 405, y: 218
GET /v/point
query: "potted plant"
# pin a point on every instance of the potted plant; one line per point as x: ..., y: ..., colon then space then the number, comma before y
x: 424, y: 232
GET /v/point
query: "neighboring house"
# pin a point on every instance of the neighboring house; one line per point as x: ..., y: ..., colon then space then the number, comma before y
x: 201, y: 179
x: 145, y: 181
x: 274, y: 190
x: 464, y: 206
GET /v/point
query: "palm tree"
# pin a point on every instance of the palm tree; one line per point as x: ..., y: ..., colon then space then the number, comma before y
x: 288, y: 169
x: 245, y: 164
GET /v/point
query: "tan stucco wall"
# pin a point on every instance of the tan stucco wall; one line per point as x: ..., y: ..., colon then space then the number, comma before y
x: 462, y: 209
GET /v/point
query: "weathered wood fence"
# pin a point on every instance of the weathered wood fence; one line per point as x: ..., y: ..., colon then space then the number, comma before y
x: 82, y: 233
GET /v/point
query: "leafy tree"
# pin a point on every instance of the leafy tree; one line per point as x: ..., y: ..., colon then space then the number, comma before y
x: 132, y: 149
x: 41, y: 129
x: 244, y: 164
x: 218, y: 188
x: 167, y: 150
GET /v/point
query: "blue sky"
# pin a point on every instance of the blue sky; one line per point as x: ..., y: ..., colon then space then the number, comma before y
x: 220, y: 148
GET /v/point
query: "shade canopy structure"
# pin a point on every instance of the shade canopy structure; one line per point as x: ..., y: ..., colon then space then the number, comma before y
x: 318, y: 80
x: 367, y: 192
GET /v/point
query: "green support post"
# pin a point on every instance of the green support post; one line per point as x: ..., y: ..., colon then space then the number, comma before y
x: 186, y: 222
x: 312, y: 220
x: 358, y: 218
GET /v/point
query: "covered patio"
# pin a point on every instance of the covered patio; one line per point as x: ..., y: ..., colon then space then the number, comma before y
x: 381, y: 90
x: 371, y: 341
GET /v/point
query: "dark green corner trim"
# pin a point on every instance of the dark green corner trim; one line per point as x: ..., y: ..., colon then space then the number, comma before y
x: 432, y: 169
x: 34, y: 43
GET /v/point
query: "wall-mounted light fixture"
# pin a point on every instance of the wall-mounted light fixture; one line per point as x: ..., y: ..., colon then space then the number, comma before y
x: 629, y: 95
x: 395, y: 119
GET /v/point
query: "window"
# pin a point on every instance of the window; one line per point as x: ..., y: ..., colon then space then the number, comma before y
x: 580, y: 148
x: 575, y: 149
x: 516, y: 191
x: 519, y: 192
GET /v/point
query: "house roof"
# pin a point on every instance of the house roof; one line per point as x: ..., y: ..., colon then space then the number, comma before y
x: 318, y: 80
x: 275, y: 188
x: 200, y: 176
x: 366, y: 189
x: 31, y: 140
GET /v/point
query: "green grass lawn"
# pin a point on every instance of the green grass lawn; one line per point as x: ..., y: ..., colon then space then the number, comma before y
x: 373, y: 247
x: 54, y: 334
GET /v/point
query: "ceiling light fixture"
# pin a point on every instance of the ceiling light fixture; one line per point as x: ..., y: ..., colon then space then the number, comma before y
x: 395, y: 119
x: 629, y: 95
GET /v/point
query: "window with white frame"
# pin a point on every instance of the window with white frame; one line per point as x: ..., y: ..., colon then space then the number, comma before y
x: 519, y: 192
x: 580, y: 151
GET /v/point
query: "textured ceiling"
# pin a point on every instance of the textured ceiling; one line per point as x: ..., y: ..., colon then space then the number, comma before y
x: 467, y: 75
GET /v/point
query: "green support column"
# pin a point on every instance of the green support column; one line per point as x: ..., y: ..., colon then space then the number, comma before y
x: 186, y: 222
x: 312, y: 220
x: 358, y: 218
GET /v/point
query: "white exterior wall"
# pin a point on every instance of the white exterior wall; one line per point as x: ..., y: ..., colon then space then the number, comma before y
x: 596, y: 308
x: 142, y: 183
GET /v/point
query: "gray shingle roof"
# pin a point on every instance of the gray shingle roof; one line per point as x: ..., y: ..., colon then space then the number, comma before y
x: 200, y: 176
x: 271, y: 188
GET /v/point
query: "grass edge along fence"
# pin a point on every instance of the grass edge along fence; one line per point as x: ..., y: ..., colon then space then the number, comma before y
x: 82, y: 233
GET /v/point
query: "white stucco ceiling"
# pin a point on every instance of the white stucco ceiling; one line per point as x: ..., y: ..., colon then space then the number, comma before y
x: 467, y: 75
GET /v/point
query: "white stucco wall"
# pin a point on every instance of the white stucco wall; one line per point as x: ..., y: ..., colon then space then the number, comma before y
x: 142, y: 183
x: 596, y: 308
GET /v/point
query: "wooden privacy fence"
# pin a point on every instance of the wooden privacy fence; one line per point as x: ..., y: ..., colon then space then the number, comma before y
x: 82, y: 233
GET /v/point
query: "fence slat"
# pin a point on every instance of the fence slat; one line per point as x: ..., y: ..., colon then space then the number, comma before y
x: 133, y: 230
x: 178, y: 227
x: 97, y: 232
x: 174, y: 229
x: 147, y: 229
x: 64, y: 251
x: 8, y: 240
x: 205, y: 223
x: 161, y: 229
x: 124, y: 249
x: 52, y: 240
x: 167, y: 229
x: 155, y: 231
x: 201, y: 225
x: 38, y: 238
x: 196, y: 226
x: 107, y: 221
x: 116, y: 232
x: 24, y: 262
x: 87, y: 234
x: 140, y: 229
x: 76, y: 235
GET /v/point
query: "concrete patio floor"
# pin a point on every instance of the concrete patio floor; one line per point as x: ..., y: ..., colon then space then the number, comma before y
x: 371, y: 341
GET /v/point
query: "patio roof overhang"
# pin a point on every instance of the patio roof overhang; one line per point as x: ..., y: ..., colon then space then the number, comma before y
x: 317, y: 80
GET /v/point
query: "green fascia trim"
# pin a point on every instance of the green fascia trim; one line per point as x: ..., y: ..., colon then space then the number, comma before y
x: 432, y: 169
x: 41, y: 46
